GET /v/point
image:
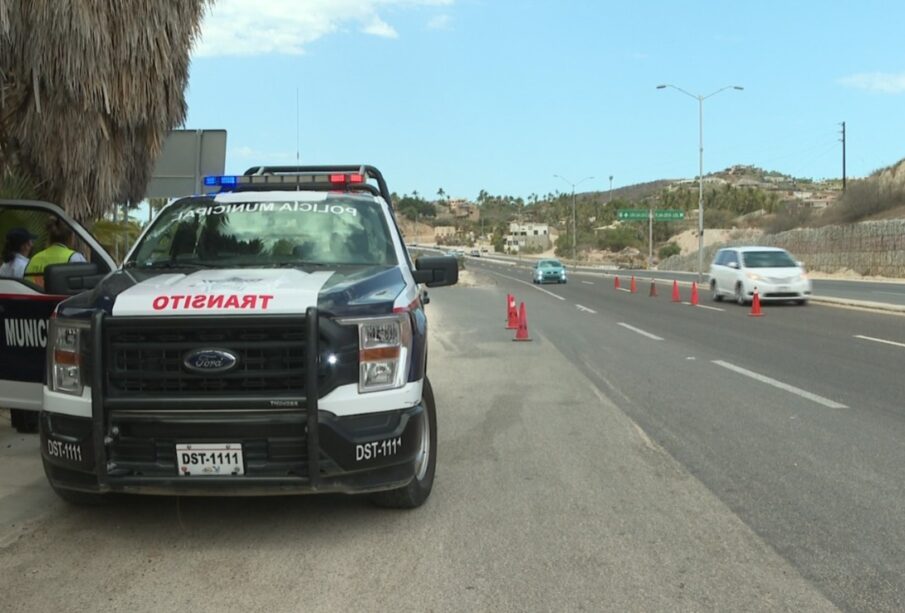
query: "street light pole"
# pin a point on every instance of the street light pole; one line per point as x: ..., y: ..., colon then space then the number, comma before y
x: 574, y: 225
x: 574, y: 230
x: 700, y: 99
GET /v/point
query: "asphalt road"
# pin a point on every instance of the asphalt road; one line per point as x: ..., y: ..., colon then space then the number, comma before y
x: 869, y: 291
x: 794, y: 420
x: 548, y: 497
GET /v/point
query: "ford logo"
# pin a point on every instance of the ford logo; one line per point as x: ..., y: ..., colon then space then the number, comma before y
x: 210, y: 361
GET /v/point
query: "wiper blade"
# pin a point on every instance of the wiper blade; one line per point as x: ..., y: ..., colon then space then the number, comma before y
x: 299, y: 264
x: 170, y: 264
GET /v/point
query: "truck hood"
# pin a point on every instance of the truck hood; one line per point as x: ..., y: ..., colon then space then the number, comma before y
x: 272, y: 291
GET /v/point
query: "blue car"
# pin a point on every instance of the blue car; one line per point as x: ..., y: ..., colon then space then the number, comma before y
x: 549, y: 271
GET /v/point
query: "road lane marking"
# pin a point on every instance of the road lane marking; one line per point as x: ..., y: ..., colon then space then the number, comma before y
x: 585, y: 309
x: 889, y: 293
x: 780, y: 385
x: 622, y: 289
x: 540, y: 289
x: 879, y: 340
x: 640, y: 331
x: 704, y: 306
x: 587, y: 283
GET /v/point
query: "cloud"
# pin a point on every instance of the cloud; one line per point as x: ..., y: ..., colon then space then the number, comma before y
x: 880, y: 82
x: 439, y: 22
x: 378, y: 27
x: 241, y: 27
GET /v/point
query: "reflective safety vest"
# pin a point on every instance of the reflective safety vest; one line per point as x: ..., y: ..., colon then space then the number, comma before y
x: 55, y: 254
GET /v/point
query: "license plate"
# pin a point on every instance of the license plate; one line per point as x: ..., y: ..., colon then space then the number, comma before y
x: 209, y: 459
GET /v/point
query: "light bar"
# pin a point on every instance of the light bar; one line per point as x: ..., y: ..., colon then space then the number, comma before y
x: 336, y: 179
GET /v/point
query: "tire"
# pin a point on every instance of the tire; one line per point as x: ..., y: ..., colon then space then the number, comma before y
x: 740, y: 295
x: 715, y: 293
x: 25, y: 422
x: 419, y: 488
x: 802, y: 302
x: 77, y: 498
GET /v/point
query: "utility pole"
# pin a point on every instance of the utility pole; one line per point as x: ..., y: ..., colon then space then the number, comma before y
x: 843, y: 156
x: 574, y: 227
x: 650, y: 239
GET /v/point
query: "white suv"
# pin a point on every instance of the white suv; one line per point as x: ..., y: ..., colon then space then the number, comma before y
x: 773, y: 272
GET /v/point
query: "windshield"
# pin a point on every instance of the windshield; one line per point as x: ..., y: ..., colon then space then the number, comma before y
x: 768, y: 259
x: 550, y: 264
x: 203, y: 232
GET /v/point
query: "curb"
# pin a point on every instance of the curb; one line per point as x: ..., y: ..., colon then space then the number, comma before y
x: 860, y: 304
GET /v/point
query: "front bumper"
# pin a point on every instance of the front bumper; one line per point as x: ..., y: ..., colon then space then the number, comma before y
x: 550, y: 278
x: 773, y: 292
x: 138, y: 454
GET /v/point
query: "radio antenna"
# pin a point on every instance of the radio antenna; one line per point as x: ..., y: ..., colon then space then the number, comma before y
x: 297, y: 146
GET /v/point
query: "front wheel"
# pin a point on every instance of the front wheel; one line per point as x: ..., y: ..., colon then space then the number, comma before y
x: 802, y: 302
x: 740, y: 294
x: 417, y: 491
x: 25, y: 422
x: 715, y: 292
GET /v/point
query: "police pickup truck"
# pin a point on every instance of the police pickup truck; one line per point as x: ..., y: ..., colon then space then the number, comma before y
x: 268, y: 337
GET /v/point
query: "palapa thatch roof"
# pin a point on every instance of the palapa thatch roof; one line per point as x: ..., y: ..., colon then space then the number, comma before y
x: 88, y: 92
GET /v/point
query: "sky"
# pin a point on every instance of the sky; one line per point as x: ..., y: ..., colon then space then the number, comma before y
x: 497, y: 95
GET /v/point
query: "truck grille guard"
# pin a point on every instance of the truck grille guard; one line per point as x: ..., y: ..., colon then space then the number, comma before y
x: 100, y: 415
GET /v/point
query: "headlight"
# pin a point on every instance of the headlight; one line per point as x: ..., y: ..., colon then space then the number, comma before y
x: 384, y: 352
x: 68, y: 339
x: 754, y: 276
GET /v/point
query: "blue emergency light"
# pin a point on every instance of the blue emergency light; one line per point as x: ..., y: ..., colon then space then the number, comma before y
x: 222, y: 180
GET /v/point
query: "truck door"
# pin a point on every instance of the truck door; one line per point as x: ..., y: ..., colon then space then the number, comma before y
x: 25, y: 309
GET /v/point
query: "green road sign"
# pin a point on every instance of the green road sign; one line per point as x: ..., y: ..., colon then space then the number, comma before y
x: 669, y: 215
x: 641, y: 214
x: 632, y: 214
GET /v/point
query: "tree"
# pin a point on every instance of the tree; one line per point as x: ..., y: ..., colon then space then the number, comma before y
x: 440, y: 194
x: 89, y: 91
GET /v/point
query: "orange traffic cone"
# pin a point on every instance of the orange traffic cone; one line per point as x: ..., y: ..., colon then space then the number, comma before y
x: 511, y: 313
x: 694, y: 294
x: 522, y: 333
x: 675, y: 292
x: 616, y: 281
x: 755, y: 305
x: 633, y: 287
x: 653, y: 288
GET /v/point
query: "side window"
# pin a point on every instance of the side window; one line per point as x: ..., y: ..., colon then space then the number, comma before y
x: 720, y: 259
x: 24, y: 233
x: 732, y: 256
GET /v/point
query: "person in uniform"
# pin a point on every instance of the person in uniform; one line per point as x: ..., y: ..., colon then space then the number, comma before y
x: 19, y: 243
x: 59, y: 251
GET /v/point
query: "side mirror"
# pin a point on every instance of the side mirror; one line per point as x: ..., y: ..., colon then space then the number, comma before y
x: 733, y: 265
x: 800, y: 263
x: 436, y: 271
x: 69, y: 279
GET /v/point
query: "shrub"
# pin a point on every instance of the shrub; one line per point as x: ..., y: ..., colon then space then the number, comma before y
x: 668, y: 250
x: 791, y: 217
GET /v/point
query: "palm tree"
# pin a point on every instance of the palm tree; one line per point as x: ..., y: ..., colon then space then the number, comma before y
x: 88, y: 92
x: 440, y: 193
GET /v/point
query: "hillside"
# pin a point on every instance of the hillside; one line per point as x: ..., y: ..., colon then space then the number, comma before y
x: 635, y: 192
